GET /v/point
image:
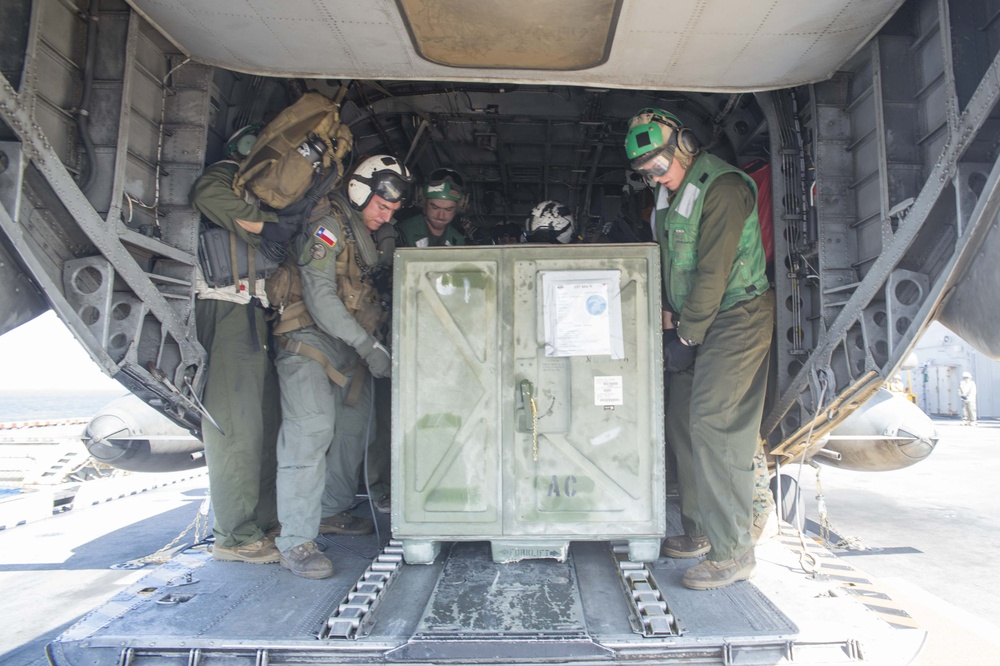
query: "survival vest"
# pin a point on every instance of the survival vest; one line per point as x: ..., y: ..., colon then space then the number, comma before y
x: 305, y: 143
x: 354, y: 286
x: 678, y: 228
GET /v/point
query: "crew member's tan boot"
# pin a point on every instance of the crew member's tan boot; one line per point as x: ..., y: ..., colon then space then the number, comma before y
x: 305, y: 560
x: 261, y: 551
x: 683, y: 546
x: 347, y: 524
x: 709, y: 575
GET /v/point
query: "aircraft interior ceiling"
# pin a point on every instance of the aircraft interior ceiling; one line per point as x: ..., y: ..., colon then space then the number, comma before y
x: 721, y: 45
x: 882, y: 155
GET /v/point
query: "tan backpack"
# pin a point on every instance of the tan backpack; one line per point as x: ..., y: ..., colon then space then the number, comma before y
x: 283, y: 162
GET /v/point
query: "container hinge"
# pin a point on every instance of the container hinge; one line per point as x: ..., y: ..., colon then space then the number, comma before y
x: 651, y: 616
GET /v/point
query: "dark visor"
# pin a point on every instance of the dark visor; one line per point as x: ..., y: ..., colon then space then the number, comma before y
x: 388, y: 185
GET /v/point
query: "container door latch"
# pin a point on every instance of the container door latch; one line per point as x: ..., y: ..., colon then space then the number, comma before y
x: 528, y: 409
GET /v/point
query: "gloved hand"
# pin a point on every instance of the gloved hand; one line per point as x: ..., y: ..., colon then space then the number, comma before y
x: 677, y: 356
x: 376, y: 357
x: 280, y: 231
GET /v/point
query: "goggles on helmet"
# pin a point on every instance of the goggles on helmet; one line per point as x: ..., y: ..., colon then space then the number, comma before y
x: 655, y: 167
x: 387, y: 184
x: 651, y: 142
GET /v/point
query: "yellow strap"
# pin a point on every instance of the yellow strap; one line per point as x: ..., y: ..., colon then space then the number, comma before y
x: 357, y: 383
x: 295, y: 347
x: 293, y: 317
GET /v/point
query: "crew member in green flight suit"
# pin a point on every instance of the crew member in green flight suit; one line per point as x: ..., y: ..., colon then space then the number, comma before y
x: 718, y: 319
x: 241, y: 390
x: 444, y: 196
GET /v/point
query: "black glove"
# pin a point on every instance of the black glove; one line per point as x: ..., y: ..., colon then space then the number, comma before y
x: 386, y: 239
x: 283, y: 230
x: 677, y: 356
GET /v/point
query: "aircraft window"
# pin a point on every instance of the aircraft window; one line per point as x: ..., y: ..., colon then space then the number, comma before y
x: 540, y: 34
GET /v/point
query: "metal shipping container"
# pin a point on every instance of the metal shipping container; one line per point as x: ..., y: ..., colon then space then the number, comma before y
x: 528, y: 399
x: 937, y: 390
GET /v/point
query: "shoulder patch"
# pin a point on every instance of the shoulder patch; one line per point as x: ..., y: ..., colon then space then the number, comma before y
x: 317, y: 251
x: 326, y: 236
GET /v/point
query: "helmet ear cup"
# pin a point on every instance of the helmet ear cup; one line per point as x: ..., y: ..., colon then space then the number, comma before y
x: 687, y: 142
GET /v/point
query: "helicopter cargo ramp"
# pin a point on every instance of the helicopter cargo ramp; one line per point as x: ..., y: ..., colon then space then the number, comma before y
x: 803, y: 605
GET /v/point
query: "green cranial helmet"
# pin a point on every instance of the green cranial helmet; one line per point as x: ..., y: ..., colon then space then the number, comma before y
x: 655, y: 132
x: 446, y: 184
x: 239, y: 145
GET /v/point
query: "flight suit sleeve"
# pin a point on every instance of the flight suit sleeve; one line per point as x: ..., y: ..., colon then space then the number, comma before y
x: 212, y: 195
x: 728, y: 203
x: 318, y: 254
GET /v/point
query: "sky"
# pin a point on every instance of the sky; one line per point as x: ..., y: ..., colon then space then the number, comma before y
x: 42, y: 355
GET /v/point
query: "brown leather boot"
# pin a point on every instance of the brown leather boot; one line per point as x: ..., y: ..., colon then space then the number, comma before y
x: 709, y: 575
x: 261, y: 551
x: 684, y: 546
x: 345, y: 523
x: 305, y: 560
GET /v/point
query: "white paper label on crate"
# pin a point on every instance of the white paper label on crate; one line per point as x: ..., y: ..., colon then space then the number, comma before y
x: 609, y: 391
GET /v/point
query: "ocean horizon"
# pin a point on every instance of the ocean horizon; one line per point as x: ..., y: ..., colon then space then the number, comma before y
x: 32, y: 405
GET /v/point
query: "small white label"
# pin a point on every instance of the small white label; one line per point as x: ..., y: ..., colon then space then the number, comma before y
x: 690, y: 195
x: 662, y: 198
x: 609, y: 391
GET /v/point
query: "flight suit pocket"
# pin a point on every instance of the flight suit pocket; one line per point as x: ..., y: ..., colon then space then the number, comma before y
x: 683, y: 251
x: 683, y: 246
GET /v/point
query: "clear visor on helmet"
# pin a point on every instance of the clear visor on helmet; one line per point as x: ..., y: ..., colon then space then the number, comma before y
x: 388, y: 185
x: 654, y: 167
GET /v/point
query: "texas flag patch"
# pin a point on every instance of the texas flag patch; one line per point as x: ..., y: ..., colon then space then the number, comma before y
x: 326, y: 236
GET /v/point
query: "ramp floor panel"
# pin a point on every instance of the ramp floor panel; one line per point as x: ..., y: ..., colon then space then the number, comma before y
x: 241, y: 601
x: 740, y: 609
x: 465, y: 606
x: 475, y: 595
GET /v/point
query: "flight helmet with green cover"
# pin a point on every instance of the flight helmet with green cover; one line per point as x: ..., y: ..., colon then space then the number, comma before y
x: 655, y: 138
